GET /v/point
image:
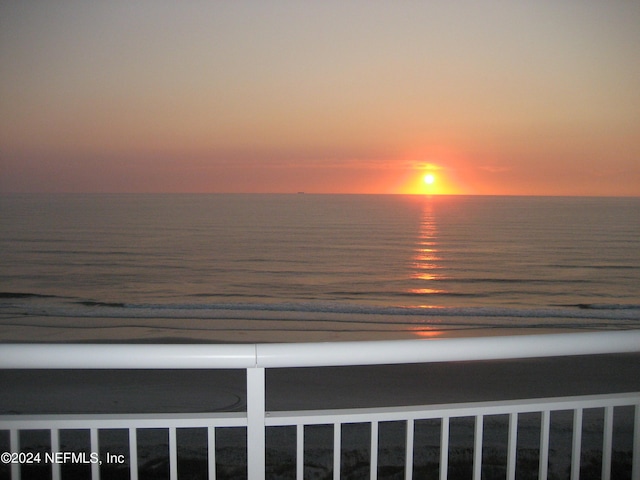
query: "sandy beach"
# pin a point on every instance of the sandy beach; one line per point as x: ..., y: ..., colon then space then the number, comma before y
x: 16, y: 327
x: 137, y: 391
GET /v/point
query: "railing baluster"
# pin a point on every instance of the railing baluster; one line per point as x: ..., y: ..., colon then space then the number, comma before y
x: 577, y: 444
x: 55, y: 447
x: 512, y: 446
x: 16, y: 427
x: 477, y: 447
x: 95, y: 447
x: 543, y: 466
x: 444, y: 448
x: 211, y: 451
x: 374, y: 450
x: 133, y: 453
x: 607, y: 443
x: 14, y: 446
x: 408, y: 462
x: 173, y: 454
x: 300, y: 451
x: 337, y: 449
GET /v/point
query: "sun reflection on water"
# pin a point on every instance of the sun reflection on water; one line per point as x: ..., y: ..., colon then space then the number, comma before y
x: 426, y: 332
x: 426, y: 271
x: 426, y: 291
x: 426, y: 260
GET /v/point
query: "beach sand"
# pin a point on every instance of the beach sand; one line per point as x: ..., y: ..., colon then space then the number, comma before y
x: 180, y: 391
x: 15, y: 328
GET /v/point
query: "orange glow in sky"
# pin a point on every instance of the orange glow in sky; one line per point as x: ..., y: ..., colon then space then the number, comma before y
x: 430, y: 179
x: 493, y: 97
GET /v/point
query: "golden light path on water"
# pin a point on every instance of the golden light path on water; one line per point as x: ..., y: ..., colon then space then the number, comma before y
x: 426, y: 264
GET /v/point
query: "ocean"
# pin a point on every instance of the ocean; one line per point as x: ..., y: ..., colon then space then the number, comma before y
x: 303, y: 267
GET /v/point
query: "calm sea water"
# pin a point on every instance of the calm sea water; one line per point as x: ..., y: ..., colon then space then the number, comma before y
x: 313, y: 267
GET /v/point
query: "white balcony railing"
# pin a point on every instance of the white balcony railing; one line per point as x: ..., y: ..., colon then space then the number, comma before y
x: 256, y: 358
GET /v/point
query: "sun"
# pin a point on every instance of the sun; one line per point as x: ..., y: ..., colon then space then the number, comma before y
x: 429, y: 179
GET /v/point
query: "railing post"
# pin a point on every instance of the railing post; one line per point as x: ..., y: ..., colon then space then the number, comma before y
x: 256, y: 444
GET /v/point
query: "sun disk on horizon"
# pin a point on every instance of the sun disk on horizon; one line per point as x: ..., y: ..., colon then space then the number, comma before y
x: 428, y: 179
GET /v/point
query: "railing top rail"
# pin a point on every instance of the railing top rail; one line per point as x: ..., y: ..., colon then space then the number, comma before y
x: 126, y: 356
x: 446, y: 349
x: 280, y: 355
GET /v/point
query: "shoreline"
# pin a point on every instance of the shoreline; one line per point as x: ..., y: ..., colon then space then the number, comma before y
x: 57, y: 330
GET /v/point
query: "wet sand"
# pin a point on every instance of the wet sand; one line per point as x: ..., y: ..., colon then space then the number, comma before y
x: 15, y: 328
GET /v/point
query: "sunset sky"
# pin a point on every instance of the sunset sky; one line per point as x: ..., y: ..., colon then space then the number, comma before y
x: 490, y: 97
